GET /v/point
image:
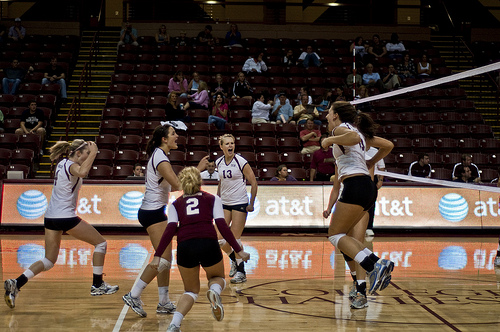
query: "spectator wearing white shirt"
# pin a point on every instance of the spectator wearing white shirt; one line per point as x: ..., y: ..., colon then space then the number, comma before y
x: 395, y: 47
x: 255, y: 65
x: 210, y: 173
x: 309, y: 58
x: 261, y: 110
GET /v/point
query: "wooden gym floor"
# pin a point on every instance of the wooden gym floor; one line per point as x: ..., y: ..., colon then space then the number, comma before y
x: 294, y: 284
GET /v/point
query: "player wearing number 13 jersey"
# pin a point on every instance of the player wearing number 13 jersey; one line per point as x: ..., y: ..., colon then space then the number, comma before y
x: 234, y: 172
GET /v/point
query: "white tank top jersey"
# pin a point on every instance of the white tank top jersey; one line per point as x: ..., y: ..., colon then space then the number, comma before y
x: 422, y: 67
x: 157, y: 188
x: 380, y: 165
x: 64, y: 193
x: 350, y: 159
x: 233, y: 189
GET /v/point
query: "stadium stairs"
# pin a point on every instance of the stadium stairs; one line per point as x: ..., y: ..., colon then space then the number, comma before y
x: 91, y: 105
x: 478, y: 88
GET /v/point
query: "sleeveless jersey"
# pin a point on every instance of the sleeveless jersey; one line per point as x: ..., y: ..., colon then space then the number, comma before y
x: 195, y: 214
x: 157, y: 188
x: 351, y: 159
x: 64, y: 193
x: 233, y: 189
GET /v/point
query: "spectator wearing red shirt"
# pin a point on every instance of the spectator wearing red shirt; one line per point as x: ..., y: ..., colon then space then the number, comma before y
x: 310, y: 138
x: 322, y: 163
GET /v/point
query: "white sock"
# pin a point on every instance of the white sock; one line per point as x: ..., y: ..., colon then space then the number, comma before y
x: 138, y: 288
x: 216, y: 288
x: 28, y: 274
x: 163, y: 294
x: 360, y: 281
x: 238, y: 261
x: 177, y: 319
x: 353, y: 273
x: 360, y: 256
x: 367, y: 251
x: 97, y: 269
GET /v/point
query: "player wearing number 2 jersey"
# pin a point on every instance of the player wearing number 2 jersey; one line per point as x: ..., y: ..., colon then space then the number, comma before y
x: 61, y: 217
x: 353, y: 134
x: 234, y: 172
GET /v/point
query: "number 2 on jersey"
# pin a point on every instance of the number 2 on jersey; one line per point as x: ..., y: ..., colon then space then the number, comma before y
x: 192, y: 206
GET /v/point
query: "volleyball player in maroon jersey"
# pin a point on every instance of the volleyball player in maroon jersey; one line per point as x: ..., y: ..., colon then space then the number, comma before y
x: 191, y: 218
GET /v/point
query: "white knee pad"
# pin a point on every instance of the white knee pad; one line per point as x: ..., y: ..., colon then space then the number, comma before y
x: 222, y: 242
x: 193, y: 295
x: 334, y: 239
x: 47, y: 264
x: 164, y: 265
x: 101, y: 247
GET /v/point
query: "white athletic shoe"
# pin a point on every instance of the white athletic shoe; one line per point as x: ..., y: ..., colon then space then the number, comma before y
x: 104, y: 289
x: 359, y: 301
x: 11, y: 292
x: 234, y: 268
x: 134, y: 304
x: 239, y: 278
x: 216, y: 304
x: 173, y: 328
x: 353, y: 291
x: 166, y: 308
x: 380, y: 277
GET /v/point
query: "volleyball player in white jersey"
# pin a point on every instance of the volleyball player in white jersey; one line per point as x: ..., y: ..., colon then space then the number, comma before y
x: 160, y: 180
x: 357, y: 294
x: 61, y: 217
x: 234, y: 172
x: 353, y: 132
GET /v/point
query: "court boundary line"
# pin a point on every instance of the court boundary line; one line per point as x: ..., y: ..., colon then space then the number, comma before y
x: 124, y: 311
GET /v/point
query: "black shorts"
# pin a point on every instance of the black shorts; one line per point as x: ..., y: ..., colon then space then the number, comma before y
x: 239, y: 207
x: 61, y: 224
x: 195, y: 252
x: 359, y: 190
x: 151, y: 217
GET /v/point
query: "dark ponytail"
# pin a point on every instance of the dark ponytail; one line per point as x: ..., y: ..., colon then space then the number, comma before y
x: 362, y: 121
x: 156, y: 139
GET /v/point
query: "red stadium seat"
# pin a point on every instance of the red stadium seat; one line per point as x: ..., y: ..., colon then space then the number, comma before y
x: 267, y: 159
x: 134, y: 114
x: 121, y: 172
x: 155, y: 114
x: 244, y: 143
x: 19, y: 168
x: 264, y: 129
x: 446, y: 144
x: 116, y: 101
x: 401, y: 144
x: 107, y: 141
x: 423, y: 144
x: 104, y: 157
x: 100, y: 172
x: 242, y: 129
x: 132, y: 127
x: 198, y: 129
x: 5, y: 155
x: 263, y: 144
x: 138, y: 90
x: 249, y: 156
x: 292, y: 159
x: 266, y: 174
x: 198, y: 143
x: 129, y: 157
x: 299, y: 173
x: 137, y: 102
x: 130, y: 142
x: 177, y: 157
x: 468, y: 145
x: 194, y: 157
x: 8, y: 141
x: 28, y: 141
x: 288, y: 144
x: 157, y: 101
x: 441, y: 174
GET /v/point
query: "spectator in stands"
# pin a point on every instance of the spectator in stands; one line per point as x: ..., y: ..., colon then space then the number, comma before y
x: 1, y: 122
x: 361, y: 48
x: 219, y: 86
x: 241, y: 88
x: 178, y: 84
x: 261, y: 109
x: 289, y: 59
x: 54, y: 74
x: 350, y: 80
x: 395, y: 47
x: 281, y: 174
x: 162, y: 37
x: 32, y: 122
x: 219, y: 112
x: 205, y: 37
x: 13, y: 75
x: 325, y: 101
x: 424, y: 68
x: 182, y: 40
x: 17, y: 32
x: 371, y: 79
x: 128, y: 35
x: 200, y: 99
x: 464, y: 174
x: 421, y: 167
x: 466, y: 161
x: 322, y: 163
x: 310, y: 138
x: 406, y: 69
x: 210, y: 173
x: 137, y: 170
x: 173, y: 111
x: 340, y: 94
x: 376, y: 49
x: 363, y: 93
x: 309, y: 58
x: 194, y: 83
x: 233, y: 37
x: 255, y: 64
x: 391, y: 81
x: 282, y: 111
x: 304, y: 91
x: 304, y: 112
